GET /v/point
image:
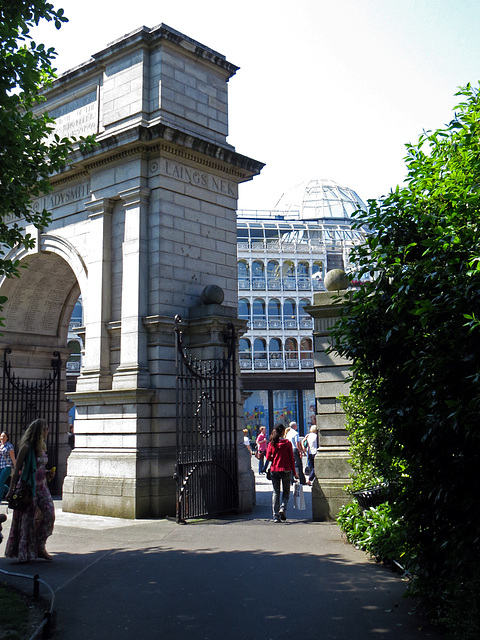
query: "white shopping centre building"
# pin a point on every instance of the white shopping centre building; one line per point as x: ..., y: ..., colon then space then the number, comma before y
x: 283, y: 256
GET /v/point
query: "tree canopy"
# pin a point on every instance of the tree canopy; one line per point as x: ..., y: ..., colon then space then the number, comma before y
x: 413, y: 335
x: 30, y: 152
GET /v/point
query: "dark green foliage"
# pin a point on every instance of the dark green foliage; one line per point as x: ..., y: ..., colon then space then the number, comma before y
x: 414, y: 337
x: 29, y: 151
x: 375, y: 531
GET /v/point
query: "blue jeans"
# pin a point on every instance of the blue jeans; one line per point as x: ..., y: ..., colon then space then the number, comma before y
x: 262, y: 463
x: 284, y: 479
x: 311, y: 464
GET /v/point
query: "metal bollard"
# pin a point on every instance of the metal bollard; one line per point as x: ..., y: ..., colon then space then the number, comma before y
x: 36, y: 587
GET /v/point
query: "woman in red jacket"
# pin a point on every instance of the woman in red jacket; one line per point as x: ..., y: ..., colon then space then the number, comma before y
x: 280, y: 454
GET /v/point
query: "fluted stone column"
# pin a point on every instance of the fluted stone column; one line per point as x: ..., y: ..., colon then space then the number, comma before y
x: 332, y: 468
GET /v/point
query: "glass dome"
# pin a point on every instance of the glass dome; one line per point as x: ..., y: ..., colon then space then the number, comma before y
x: 319, y: 200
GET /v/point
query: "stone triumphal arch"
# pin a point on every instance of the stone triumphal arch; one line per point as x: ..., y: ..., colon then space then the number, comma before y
x: 140, y: 226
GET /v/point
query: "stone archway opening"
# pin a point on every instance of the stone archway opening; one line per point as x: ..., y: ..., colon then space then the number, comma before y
x: 33, y: 346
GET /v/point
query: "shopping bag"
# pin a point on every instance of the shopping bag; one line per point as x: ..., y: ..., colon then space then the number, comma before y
x: 298, y: 497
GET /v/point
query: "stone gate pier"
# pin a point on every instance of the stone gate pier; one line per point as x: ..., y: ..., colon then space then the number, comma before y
x: 332, y: 468
x: 140, y: 226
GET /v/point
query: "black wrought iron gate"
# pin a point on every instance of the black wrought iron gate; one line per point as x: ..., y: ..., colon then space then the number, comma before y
x: 24, y: 400
x: 206, y: 472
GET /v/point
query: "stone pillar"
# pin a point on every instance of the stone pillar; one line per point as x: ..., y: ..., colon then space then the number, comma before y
x: 207, y: 325
x: 331, y: 371
x: 96, y: 374
x: 133, y: 369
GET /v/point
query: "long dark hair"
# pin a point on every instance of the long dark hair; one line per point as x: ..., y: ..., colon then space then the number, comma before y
x: 277, y: 433
x: 33, y: 436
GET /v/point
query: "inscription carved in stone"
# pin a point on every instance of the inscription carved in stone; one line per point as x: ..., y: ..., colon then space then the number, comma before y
x: 198, y: 178
x: 78, y: 117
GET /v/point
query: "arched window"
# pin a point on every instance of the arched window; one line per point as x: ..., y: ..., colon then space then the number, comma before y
x: 259, y: 316
x: 244, y: 309
x: 288, y: 276
x: 244, y: 345
x: 245, y: 353
x: 291, y: 353
x: 289, y: 314
x: 317, y: 275
x: 260, y: 354
x: 274, y: 314
x: 303, y: 276
x: 243, y: 274
x: 304, y: 318
x: 76, y: 319
x: 273, y: 275
x: 306, y: 345
x: 74, y: 357
x: 303, y: 270
x: 275, y: 353
x: 306, y: 353
x: 258, y: 274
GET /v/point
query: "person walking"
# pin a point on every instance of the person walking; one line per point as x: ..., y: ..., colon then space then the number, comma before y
x: 246, y: 441
x: 298, y: 450
x: 311, y: 442
x: 7, y: 461
x: 280, y: 454
x: 261, y: 443
x: 31, y: 527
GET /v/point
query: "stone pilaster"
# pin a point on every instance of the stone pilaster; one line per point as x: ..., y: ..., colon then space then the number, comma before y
x: 96, y: 374
x: 132, y: 371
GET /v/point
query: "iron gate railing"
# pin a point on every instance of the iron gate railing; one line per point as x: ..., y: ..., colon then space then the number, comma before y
x: 206, y: 470
x: 25, y: 400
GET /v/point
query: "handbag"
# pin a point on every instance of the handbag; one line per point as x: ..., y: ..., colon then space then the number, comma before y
x: 267, y: 470
x: 21, y: 498
x: 298, y: 497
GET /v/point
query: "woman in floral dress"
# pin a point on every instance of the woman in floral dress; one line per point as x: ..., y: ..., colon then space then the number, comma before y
x: 31, y: 528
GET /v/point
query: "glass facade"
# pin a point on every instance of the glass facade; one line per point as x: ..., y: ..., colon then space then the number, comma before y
x: 283, y: 256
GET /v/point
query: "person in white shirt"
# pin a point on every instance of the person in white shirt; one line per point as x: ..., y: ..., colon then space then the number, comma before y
x: 311, y: 442
x: 298, y: 450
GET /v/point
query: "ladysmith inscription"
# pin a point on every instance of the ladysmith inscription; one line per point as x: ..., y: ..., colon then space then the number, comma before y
x: 76, y: 193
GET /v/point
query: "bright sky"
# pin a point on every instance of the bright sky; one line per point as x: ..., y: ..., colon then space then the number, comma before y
x: 326, y: 88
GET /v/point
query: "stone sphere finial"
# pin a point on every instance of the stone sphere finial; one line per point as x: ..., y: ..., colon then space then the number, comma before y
x: 336, y: 279
x: 212, y: 294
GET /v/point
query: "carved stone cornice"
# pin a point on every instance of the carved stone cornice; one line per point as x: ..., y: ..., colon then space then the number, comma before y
x: 150, y: 141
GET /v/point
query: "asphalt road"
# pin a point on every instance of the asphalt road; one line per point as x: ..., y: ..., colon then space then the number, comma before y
x: 238, y: 578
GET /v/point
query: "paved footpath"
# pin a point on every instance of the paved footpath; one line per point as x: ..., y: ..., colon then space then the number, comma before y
x: 235, y: 578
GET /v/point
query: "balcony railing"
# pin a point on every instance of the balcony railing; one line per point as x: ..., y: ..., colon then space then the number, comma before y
x: 292, y: 363
x: 306, y: 323
x: 304, y: 284
x: 275, y: 323
x: 289, y: 284
x: 306, y: 363
x: 276, y: 361
x: 274, y: 284
x: 260, y: 323
x: 244, y: 284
